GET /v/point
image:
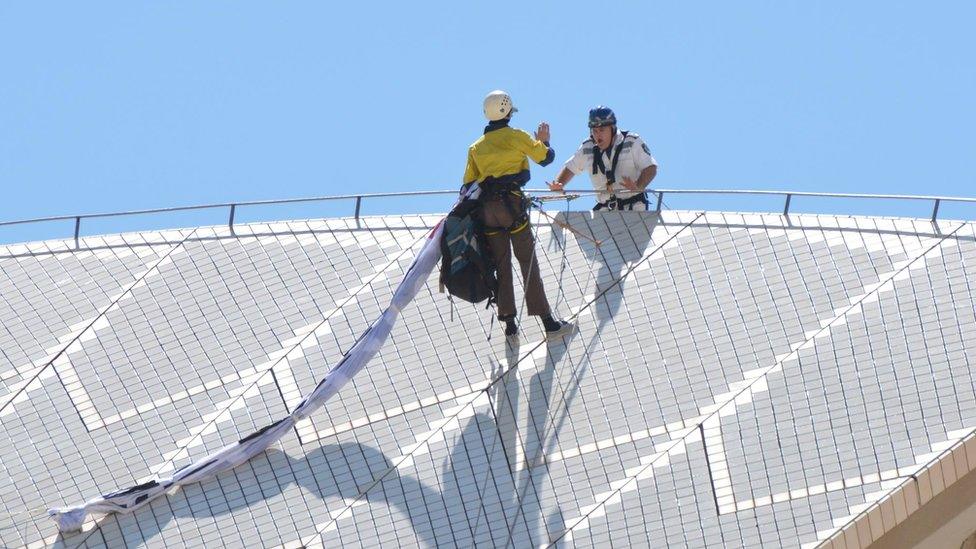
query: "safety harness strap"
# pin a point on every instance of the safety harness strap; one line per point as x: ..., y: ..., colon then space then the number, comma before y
x: 521, y: 219
x: 599, y: 167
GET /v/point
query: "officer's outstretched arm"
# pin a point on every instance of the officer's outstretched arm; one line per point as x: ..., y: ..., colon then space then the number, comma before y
x: 565, y: 175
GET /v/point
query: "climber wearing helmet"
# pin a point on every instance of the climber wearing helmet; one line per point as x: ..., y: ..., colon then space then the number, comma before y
x: 498, y: 162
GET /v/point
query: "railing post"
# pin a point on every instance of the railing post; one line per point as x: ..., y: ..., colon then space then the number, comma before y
x: 359, y: 201
x: 230, y: 222
x: 77, y: 229
x: 786, y: 209
x: 935, y: 210
x: 660, y: 198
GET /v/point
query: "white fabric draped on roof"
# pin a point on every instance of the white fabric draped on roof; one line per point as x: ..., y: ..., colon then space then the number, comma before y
x: 72, y: 518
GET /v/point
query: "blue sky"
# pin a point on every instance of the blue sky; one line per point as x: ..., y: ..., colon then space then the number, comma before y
x: 129, y: 105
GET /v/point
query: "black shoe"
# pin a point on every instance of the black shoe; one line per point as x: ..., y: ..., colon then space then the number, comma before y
x: 554, y: 326
x: 511, y: 328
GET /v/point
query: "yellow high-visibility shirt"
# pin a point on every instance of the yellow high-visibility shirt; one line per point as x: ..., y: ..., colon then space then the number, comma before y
x: 502, y: 154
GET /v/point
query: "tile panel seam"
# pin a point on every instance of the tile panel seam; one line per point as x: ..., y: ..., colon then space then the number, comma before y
x: 69, y: 342
x: 283, y: 356
x: 717, y: 408
x: 458, y: 410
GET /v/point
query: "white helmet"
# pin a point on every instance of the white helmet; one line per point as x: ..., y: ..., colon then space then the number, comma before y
x: 498, y: 106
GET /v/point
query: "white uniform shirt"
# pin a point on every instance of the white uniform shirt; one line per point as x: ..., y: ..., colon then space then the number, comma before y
x: 634, y: 158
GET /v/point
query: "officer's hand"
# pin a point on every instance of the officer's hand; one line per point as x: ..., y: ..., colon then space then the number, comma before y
x: 629, y: 184
x: 543, y: 133
x: 556, y: 186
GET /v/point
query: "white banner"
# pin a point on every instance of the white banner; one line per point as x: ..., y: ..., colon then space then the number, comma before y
x: 71, y: 518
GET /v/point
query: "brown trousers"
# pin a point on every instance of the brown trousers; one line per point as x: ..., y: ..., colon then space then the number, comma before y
x: 502, y: 211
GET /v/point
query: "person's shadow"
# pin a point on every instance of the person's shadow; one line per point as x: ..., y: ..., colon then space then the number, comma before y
x: 624, y: 238
x: 613, y: 242
x: 489, y: 468
x: 331, y: 472
x: 524, y: 444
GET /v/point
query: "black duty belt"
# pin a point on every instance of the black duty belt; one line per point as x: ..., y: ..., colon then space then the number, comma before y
x: 623, y: 203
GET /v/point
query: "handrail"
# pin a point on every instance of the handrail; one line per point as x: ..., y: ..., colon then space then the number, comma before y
x: 810, y: 193
x: 224, y: 205
x: 359, y: 199
x: 790, y: 194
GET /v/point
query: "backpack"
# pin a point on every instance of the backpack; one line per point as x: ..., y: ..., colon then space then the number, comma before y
x: 467, y: 268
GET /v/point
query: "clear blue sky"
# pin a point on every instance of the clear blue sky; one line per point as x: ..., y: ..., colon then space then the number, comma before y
x: 128, y: 105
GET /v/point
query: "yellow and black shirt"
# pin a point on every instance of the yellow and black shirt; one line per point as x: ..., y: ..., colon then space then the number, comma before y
x: 501, y: 155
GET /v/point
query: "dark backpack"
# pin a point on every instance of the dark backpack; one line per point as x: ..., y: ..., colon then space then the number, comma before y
x: 467, y: 268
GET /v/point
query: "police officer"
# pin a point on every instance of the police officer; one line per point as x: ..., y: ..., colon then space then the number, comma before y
x: 619, y: 163
x: 498, y: 161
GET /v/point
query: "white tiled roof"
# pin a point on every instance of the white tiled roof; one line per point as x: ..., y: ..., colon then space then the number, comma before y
x: 735, y: 379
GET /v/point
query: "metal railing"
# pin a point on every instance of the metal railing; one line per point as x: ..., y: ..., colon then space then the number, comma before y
x: 937, y: 200
x: 358, y: 198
